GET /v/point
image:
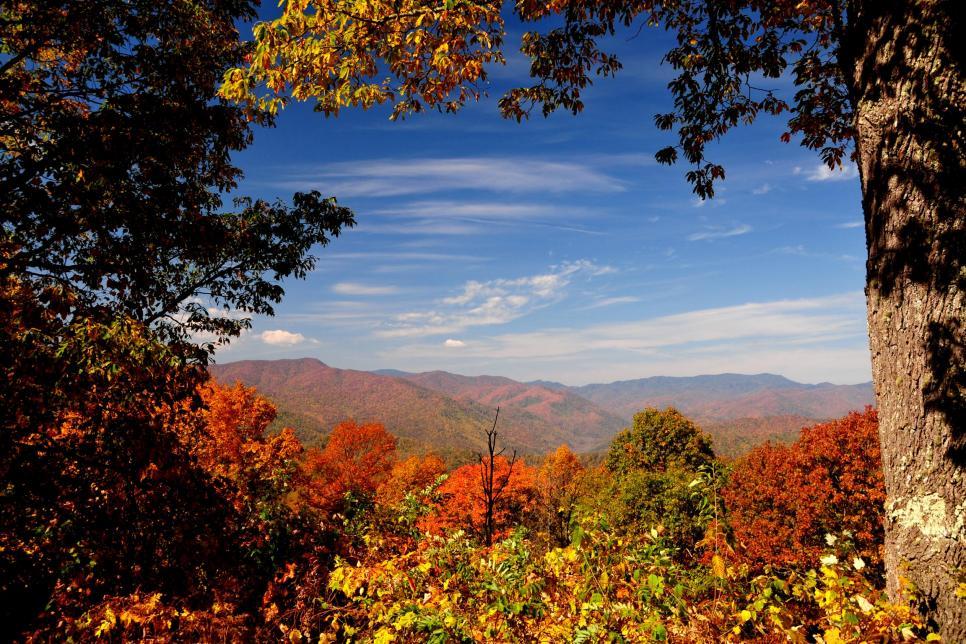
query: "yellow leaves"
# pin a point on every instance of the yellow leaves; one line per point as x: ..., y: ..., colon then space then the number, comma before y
x: 718, y: 566
x: 384, y: 636
x: 332, y: 51
x: 405, y: 621
x: 291, y: 634
x: 110, y: 619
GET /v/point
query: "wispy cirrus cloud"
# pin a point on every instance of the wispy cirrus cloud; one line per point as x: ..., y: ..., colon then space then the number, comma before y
x: 491, y: 302
x: 800, y: 338
x: 611, y: 301
x: 821, y: 172
x: 711, y: 233
x: 396, y: 177
x: 355, y: 288
x: 403, y: 256
x: 449, y: 218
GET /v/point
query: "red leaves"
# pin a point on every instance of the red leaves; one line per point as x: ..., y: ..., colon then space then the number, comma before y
x: 463, y: 505
x: 782, y: 501
x: 357, y: 458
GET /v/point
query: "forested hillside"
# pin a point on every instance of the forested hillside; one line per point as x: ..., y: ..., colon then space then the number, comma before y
x: 583, y: 423
x: 317, y: 397
x: 729, y: 396
x: 447, y: 411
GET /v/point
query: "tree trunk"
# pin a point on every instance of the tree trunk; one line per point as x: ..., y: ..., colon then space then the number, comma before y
x: 909, y: 97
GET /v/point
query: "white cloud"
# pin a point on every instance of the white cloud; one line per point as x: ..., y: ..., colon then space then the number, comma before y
x: 716, y: 202
x: 440, y: 217
x: 491, y: 302
x: 474, y: 210
x: 763, y: 189
x: 718, y: 232
x: 421, y: 227
x: 451, y: 343
x: 403, y: 256
x: 395, y: 177
x: 353, y: 288
x: 821, y: 172
x: 281, y: 338
x: 850, y: 224
x: 611, y: 301
x: 812, y: 340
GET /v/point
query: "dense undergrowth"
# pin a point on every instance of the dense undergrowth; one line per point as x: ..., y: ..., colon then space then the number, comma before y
x: 662, y: 542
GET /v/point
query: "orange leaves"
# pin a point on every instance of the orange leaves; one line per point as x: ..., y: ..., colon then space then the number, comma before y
x: 783, y: 500
x: 236, y: 419
x: 558, y: 484
x: 463, y: 506
x: 411, y: 475
x: 357, y: 458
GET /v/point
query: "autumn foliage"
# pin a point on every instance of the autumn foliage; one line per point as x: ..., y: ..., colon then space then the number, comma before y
x: 355, y: 460
x: 783, y: 500
x: 463, y: 507
x: 558, y: 486
x: 409, y: 476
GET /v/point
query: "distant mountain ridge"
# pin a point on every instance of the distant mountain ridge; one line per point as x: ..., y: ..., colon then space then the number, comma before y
x: 583, y: 422
x: 729, y: 396
x: 445, y: 411
x: 314, y: 397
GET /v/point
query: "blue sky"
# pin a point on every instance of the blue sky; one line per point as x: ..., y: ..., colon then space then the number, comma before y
x: 559, y: 249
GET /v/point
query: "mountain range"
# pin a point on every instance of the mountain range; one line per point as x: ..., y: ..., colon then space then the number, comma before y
x: 446, y: 413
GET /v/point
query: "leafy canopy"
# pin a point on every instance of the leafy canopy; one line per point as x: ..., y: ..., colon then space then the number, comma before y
x: 114, y: 162
x: 120, y: 267
x: 659, y: 441
x: 419, y: 55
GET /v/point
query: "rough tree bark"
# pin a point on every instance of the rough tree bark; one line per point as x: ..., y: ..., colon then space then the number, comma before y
x: 908, y: 89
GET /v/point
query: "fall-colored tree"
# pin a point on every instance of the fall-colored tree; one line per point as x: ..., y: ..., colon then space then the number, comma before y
x: 783, y: 500
x: 879, y: 81
x: 356, y: 459
x: 463, y: 505
x: 235, y: 444
x: 558, y: 484
x: 492, y: 484
x: 659, y: 441
x: 114, y: 246
x: 409, y: 476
